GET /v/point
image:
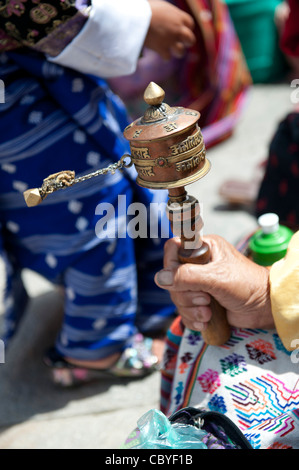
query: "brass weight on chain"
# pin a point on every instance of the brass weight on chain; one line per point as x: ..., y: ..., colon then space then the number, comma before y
x: 168, y: 152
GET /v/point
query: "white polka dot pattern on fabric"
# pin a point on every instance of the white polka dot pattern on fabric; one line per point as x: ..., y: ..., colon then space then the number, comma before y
x: 79, y: 137
x: 35, y: 117
x: 70, y: 293
x: 27, y: 99
x: 108, y: 268
x: 13, y: 226
x: 99, y: 324
x: 81, y: 223
x: 20, y: 186
x: 111, y: 247
x: 51, y: 261
x: 77, y: 85
x: 9, y: 168
x: 93, y: 158
x: 75, y: 207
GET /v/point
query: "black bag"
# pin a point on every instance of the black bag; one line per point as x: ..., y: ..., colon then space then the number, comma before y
x: 222, y: 433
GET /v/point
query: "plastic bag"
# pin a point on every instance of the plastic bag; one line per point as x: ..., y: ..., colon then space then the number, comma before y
x: 156, y: 432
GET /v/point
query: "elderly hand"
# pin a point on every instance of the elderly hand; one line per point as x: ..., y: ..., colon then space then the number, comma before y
x: 170, y: 31
x: 239, y: 285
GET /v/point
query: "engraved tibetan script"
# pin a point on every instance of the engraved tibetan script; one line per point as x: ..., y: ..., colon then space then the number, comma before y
x: 187, y: 144
x: 137, y: 133
x: 145, y: 171
x: 190, y: 163
x: 142, y: 152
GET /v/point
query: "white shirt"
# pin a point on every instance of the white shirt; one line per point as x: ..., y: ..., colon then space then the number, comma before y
x: 111, y: 41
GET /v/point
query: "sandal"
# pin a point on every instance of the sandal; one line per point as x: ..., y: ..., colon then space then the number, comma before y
x: 136, y: 361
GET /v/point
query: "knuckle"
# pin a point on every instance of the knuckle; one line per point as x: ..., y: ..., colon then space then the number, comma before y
x: 184, y: 274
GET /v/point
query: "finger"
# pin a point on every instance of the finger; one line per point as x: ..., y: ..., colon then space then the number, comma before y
x: 190, y: 299
x: 195, y: 318
x: 185, y: 40
x: 185, y: 277
x: 196, y: 314
x: 201, y: 298
x: 178, y: 50
x: 188, y: 20
x: 198, y: 326
x: 164, y: 279
x: 188, y: 277
x: 187, y: 36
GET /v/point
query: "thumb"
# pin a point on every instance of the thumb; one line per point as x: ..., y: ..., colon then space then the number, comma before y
x: 171, y: 253
x: 186, y: 277
x: 165, y: 277
x: 177, y: 276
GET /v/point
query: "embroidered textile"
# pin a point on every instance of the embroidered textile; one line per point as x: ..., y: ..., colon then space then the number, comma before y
x: 47, y: 27
x: 252, y: 379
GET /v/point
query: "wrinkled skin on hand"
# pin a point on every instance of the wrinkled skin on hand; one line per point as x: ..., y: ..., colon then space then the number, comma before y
x: 239, y: 285
x: 171, y: 30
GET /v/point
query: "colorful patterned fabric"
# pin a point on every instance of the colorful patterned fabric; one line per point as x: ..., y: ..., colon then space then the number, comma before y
x: 212, y: 77
x: 47, y: 27
x: 55, y: 119
x: 252, y: 379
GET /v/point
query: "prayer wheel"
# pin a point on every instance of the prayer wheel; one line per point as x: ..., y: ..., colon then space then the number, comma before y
x: 168, y: 152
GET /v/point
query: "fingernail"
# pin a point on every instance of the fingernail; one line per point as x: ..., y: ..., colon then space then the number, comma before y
x: 164, y: 277
x: 200, y: 300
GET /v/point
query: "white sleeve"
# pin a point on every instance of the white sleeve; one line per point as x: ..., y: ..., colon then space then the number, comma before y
x: 110, y: 42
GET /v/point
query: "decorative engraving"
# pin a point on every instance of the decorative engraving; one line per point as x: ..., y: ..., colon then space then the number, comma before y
x: 187, y: 144
x: 137, y: 133
x: 140, y: 152
x: 129, y: 126
x: 170, y: 127
x: 145, y: 171
x: 190, y: 163
x: 157, y: 113
x: 161, y: 161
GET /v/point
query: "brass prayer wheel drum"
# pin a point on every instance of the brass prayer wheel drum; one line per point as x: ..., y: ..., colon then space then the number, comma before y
x: 167, y: 147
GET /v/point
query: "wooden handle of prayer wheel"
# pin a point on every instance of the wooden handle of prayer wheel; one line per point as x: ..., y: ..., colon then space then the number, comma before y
x: 218, y: 330
x: 183, y: 212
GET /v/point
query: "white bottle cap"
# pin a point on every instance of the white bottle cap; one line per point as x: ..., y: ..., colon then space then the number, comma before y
x: 269, y: 223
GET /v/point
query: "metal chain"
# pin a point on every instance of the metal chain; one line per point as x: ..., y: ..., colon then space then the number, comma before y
x: 103, y: 171
x: 64, y: 179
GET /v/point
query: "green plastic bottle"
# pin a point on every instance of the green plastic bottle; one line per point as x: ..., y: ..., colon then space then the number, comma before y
x: 270, y: 242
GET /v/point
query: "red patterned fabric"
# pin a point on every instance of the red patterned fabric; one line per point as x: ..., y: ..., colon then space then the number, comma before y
x: 212, y: 78
x: 290, y: 36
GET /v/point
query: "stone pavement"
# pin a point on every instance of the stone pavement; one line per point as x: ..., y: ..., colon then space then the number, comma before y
x: 36, y: 415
